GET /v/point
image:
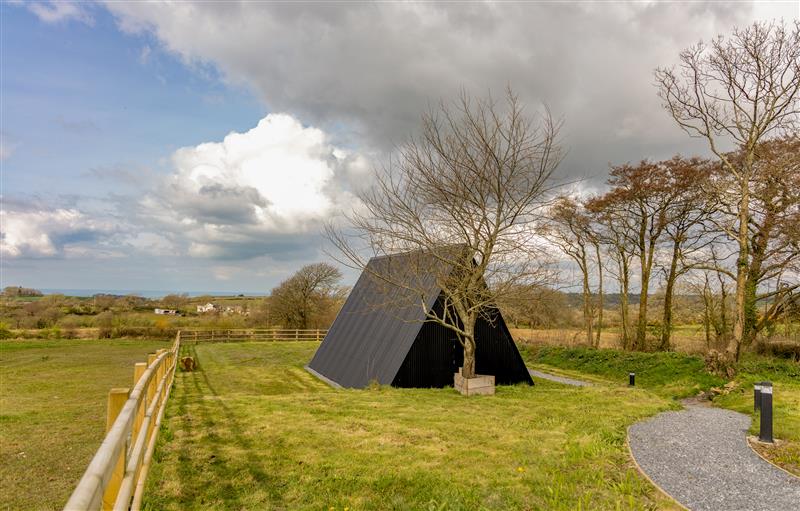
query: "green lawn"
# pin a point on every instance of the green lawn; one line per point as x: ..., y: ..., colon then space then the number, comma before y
x: 252, y: 430
x: 785, y: 377
x: 675, y: 375
x: 670, y: 375
x: 53, y: 413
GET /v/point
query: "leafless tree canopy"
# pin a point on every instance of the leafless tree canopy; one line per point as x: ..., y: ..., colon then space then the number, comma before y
x: 744, y: 91
x: 467, y: 192
x: 745, y: 87
x: 570, y: 228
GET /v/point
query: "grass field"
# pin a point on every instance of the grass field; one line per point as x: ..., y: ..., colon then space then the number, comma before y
x: 685, y: 338
x: 53, y: 413
x: 252, y: 430
x: 670, y: 375
x: 674, y: 375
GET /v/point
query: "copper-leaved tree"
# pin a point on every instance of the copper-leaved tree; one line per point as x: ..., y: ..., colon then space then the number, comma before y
x: 466, y: 195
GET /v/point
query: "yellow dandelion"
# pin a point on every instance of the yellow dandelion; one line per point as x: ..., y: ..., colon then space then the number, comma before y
x: 520, y: 469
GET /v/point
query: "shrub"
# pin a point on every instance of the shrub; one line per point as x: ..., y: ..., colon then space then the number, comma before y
x: 781, y: 349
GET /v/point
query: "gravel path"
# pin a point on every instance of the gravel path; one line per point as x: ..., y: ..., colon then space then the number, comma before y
x: 700, y: 456
x: 559, y: 379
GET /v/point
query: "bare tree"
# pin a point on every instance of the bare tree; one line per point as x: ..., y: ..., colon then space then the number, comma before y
x: 308, y: 294
x: 687, y: 228
x: 638, y: 203
x: 465, y: 195
x: 616, y: 230
x: 536, y: 307
x: 175, y: 301
x: 715, y: 304
x: 741, y: 90
x: 569, y: 227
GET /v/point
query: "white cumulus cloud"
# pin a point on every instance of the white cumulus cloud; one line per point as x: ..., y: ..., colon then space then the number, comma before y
x: 253, y: 193
x: 58, y: 11
x: 29, y: 232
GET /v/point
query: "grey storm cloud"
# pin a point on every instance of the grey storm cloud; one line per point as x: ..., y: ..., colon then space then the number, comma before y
x: 365, y: 72
x: 221, y: 204
x: 345, y: 83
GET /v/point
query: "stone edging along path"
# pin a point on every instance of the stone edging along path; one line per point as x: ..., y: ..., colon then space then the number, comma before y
x: 700, y: 457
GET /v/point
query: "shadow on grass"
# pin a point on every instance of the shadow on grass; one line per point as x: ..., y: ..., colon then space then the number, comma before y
x: 223, y: 466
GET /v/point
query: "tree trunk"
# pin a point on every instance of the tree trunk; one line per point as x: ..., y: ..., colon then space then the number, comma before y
x: 468, y: 369
x: 666, y: 328
x: 757, y: 255
x: 587, y: 301
x: 623, y: 305
x: 740, y: 312
x: 599, y: 295
x: 646, y: 262
x: 641, y: 320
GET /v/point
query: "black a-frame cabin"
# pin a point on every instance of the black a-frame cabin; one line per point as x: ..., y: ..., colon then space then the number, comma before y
x: 381, y: 334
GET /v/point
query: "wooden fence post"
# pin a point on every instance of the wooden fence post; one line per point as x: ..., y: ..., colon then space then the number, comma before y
x: 116, y: 400
x: 151, y: 389
x: 138, y: 370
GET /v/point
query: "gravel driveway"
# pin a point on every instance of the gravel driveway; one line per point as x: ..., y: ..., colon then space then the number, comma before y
x: 701, y: 458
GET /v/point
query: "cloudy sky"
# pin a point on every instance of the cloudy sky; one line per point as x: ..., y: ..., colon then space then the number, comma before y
x: 184, y: 146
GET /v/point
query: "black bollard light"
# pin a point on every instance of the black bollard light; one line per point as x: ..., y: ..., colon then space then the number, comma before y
x: 757, y: 395
x: 765, y: 430
x: 631, y: 379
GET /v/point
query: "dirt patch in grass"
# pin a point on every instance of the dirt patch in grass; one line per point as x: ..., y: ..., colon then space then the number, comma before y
x: 252, y: 430
x: 53, y: 412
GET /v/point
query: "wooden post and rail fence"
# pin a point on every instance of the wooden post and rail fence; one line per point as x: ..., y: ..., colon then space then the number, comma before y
x: 252, y: 335
x: 116, y: 476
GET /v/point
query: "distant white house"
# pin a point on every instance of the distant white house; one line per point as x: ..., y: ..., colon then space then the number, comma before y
x: 236, y: 309
x: 209, y: 307
x: 166, y: 312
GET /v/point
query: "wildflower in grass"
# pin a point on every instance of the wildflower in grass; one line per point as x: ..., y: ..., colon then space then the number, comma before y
x: 520, y: 469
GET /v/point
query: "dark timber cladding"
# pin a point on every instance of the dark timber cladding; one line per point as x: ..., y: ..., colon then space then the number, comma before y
x: 381, y: 333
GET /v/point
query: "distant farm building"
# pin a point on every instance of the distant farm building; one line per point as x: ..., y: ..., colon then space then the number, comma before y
x: 166, y: 312
x: 381, y: 334
x: 209, y: 307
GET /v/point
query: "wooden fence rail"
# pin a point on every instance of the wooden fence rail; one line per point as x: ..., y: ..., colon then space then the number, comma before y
x: 117, y: 473
x: 256, y: 335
